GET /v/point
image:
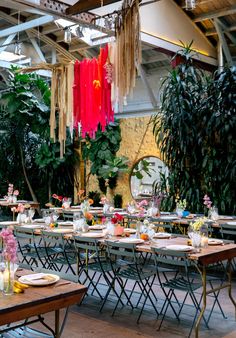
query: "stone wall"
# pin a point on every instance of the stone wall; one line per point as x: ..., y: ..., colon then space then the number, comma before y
x: 137, y: 142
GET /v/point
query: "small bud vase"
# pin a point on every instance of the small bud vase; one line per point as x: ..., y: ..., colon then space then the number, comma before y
x: 8, y: 279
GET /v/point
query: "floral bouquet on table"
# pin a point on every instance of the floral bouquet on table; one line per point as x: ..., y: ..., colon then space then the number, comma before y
x: 140, y: 207
x: 22, y: 210
x: 117, y: 221
x: 9, y: 245
x: 180, y: 206
x: 58, y: 200
x: 106, y: 204
x: 12, y: 194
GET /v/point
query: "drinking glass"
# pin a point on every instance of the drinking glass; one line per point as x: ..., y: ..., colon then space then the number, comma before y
x: 196, y: 240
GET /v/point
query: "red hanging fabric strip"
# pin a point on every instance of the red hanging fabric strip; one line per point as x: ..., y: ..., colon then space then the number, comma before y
x: 92, y: 94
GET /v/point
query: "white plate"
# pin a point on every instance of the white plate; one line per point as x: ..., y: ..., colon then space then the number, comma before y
x: 222, y: 217
x: 167, y: 218
x: 213, y: 241
x: 39, y: 279
x: 131, y: 240
x: 92, y: 234
x: 97, y: 227
x: 63, y: 231
x: 179, y: 247
x: 231, y: 223
x: 32, y: 226
x: 38, y: 220
x: 130, y: 231
x: 96, y: 208
x: 162, y: 235
x: 9, y: 223
x: 65, y: 223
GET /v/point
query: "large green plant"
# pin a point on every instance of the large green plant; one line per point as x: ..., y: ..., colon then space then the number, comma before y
x: 101, y: 151
x: 195, y: 134
x: 25, y: 146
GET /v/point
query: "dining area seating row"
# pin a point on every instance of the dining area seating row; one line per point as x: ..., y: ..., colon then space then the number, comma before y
x: 140, y: 276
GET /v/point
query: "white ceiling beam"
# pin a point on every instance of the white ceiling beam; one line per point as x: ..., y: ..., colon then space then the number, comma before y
x: 26, y: 25
x: 43, y: 38
x: 216, y: 14
x: 223, y: 42
x: 37, y: 48
x: 7, y: 41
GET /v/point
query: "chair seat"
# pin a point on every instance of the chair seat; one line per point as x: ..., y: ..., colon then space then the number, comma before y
x: 132, y: 273
x: 181, y: 284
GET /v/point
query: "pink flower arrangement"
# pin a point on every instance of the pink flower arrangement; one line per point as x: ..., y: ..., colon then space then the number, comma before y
x: 20, y: 208
x: 56, y: 197
x: 140, y: 206
x: 9, y: 245
x: 11, y: 192
x: 207, y: 201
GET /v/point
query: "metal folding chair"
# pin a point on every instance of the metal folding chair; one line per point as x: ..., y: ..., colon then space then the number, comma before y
x: 30, y: 248
x: 60, y: 253
x: 176, y: 272
x: 127, y: 266
x: 92, y: 259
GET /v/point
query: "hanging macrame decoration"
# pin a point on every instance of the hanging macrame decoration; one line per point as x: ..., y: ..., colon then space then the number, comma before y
x: 125, y: 54
x: 61, y: 115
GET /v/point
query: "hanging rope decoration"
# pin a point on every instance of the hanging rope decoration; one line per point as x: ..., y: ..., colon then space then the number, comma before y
x: 61, y: 100
x: 126, y: 53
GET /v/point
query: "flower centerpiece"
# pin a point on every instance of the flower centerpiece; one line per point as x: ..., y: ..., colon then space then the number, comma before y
x: 210, y: 211
x: 180, y: 206
x: 9, y: 253
x: 12, y: 194
x: 58, y: 200
x: 106, y: 204
x: 23, y: 213
x: 117, y: 220
x: 198, y: 232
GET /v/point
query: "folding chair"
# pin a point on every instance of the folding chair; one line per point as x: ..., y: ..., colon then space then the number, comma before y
x: 60, y: 253
x: 176, y: 272
x: 92, y: 258
x: 31, y: 250
x: 126, y: 266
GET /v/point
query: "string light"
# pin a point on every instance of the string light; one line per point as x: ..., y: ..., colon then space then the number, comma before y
x: 18, y: 48
x: 67, y: 35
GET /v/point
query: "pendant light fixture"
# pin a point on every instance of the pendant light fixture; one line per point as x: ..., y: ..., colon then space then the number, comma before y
x: 190, y: 5
x: 67, y: 35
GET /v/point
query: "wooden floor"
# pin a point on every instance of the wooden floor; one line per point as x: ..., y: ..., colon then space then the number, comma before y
x: 85, y: 321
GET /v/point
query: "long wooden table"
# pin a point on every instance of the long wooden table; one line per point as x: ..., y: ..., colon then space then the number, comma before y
x: 36, y: 301
x: 210, y: 255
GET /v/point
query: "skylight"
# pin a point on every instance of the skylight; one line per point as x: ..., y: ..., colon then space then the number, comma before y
x: 8, y: 56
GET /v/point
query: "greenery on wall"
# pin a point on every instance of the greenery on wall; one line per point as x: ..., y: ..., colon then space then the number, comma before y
x: 101, y: 151
x: 28, y: 158
x: 196, y: 135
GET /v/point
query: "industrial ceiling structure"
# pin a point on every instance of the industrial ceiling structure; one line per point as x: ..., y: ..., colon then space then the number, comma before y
x: 36, y: 31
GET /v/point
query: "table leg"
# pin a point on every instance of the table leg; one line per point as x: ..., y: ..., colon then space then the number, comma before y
x: 230, y: 284
x: 204, y: 293
x: 57, y: 323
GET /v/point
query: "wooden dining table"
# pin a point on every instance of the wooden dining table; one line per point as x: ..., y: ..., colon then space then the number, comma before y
x: 38, y: 300
x: 224, y: 252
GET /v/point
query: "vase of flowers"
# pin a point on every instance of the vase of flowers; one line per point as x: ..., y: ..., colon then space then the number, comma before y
x: 11, y: 194
x: 117, y: 220
x: 180, y: 207
x: 22, y: 211
x: 198, y: 232
x: 9, y: 253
